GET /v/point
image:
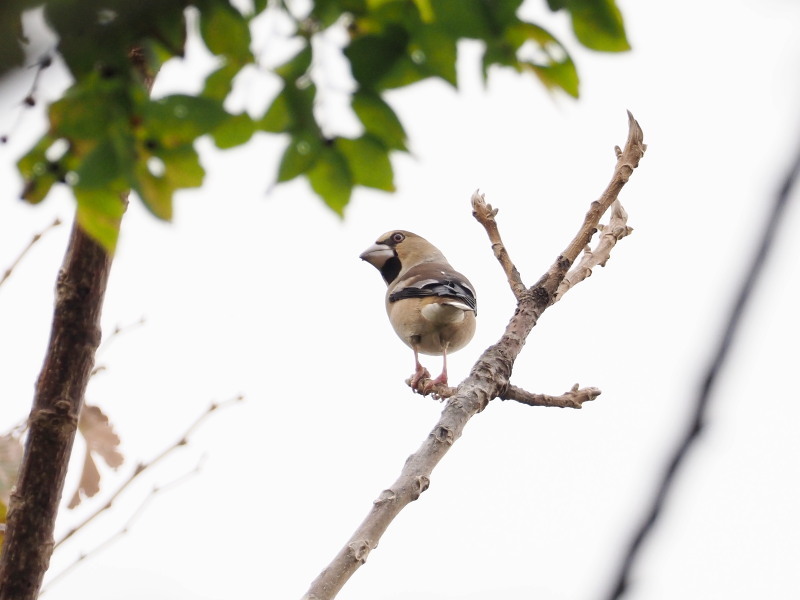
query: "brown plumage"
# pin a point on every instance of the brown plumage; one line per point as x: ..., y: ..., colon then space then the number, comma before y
x: 431, y: 306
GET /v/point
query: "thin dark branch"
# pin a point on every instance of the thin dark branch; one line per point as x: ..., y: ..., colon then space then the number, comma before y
x: 7, y: 273
x: 621, y: 581
x: 142, y: 467
x: 125, y: 528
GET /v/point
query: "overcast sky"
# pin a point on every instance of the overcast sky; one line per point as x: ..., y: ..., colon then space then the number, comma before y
x: 259, y: 290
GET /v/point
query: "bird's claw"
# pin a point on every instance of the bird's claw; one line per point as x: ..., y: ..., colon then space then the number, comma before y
x: 424, y: 386
x: 420, y: 375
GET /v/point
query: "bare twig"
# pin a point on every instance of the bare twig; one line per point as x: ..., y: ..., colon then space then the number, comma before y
x: 34, y: 239
x: 572, y: 399
x: 118, y: 331
x: 616, y: 229
x: 125, y: 528
x: 488, y: 378
x: 142, y: 467
x: 485, y: 215
x: 691, y: 434
x: 627, y: 161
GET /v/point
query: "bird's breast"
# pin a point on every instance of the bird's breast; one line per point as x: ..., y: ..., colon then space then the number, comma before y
x: 430, y: 326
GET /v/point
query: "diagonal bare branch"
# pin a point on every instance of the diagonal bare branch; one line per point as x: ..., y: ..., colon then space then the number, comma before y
x: 689, y: 437
x: 488, y: 378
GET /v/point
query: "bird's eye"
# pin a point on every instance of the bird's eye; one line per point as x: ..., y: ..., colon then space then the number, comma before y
x: 398, y: 237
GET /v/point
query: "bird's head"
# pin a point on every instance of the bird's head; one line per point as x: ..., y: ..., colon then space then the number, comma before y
x: 396, y: 251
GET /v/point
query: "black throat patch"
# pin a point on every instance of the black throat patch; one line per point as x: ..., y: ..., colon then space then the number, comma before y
x: 390, y: 270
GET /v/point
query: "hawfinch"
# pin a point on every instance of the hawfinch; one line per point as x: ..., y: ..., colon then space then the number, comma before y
x: 431, y: 306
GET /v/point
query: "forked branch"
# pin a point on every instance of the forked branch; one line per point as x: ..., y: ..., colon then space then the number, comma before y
x: 488, y: 379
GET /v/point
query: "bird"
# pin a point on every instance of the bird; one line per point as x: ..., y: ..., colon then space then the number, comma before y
x: 431, y: 306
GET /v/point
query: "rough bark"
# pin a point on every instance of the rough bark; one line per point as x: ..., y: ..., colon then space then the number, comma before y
x: 53, y: 421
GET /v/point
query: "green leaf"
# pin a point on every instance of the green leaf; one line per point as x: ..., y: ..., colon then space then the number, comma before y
x: 434, y: 50
x: 369, y: 162
x: 101, y: 168
x: 598, y: 25
x: 225, y: 31
x: 426, y: 11
x: 219, y: 83
x: 327, y: 12
x: 89, y: 108
x: 464, y: 18
x: 180, y: 119
x: 330, y: 178
x: 278, y: 117
x: 299, y: 156
x: 296, y: 66
x: 402, y: 73
x: 38, y: 172
x: 553, y: 65
x: 291, y: 110
x: 234, y: 131
x: 372, y: 56
x: 504, y: 12
x: 379, y: 119
x: 99, y: 213
x: 163, y: 173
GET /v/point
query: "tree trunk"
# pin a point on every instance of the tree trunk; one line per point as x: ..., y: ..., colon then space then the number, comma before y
x: 58, y: 399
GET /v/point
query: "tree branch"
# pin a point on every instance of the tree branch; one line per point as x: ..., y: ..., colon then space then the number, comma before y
x: 572, y: 399
x: 155, y: 491
x: 67, y: 367
x: 58, y: 398
x: 708, y: 382
x: 485, y: 215
x: 145, y: 466
x: 34, y: 239
x: 616, y: 229
x: 488, y: 378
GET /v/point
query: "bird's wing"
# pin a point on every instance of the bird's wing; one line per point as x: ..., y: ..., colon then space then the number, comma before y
x: 445, y: 283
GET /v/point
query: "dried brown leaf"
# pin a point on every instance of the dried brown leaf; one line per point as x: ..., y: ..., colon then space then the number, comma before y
x: 100, y: 440
x: 99, y: 435
x: 90, y: 481
x: 10, y: 459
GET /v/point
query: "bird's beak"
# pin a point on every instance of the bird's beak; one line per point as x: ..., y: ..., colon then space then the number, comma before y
x: 377, y: 255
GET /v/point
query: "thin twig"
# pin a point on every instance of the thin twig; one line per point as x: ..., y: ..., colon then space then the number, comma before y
x: 485, y: 215
x: 126, y: 527
x: 142, y: 467
x: 627, y: 161
x: 616, y: 229
x: 572, y: 399
x: 117, y: 332
x: 56, y: 222
x: 690, y: 435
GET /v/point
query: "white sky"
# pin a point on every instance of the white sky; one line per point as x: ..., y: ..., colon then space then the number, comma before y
x: 264, y: 294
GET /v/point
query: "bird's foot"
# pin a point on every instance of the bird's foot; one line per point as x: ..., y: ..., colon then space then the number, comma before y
x: 420, y: 375
x: 422, y: 384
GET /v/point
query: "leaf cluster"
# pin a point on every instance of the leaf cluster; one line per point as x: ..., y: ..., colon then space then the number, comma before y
x: 107, y: 136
